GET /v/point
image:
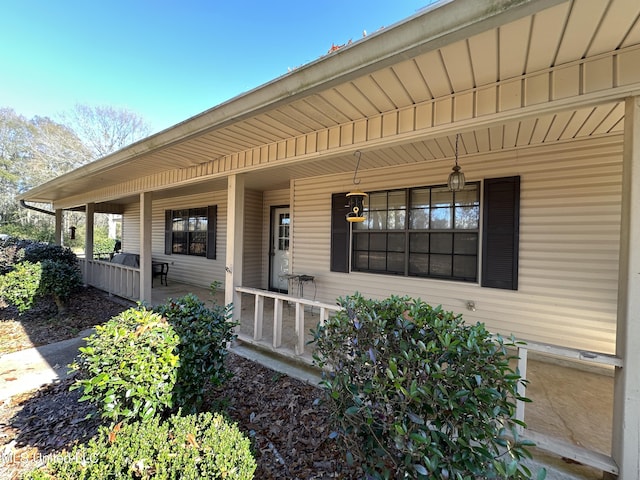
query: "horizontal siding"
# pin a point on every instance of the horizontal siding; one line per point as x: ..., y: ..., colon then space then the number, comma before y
x: 569, y: 242
x: 253, y: 254
x: 131, y: 228
x: 187, y: 269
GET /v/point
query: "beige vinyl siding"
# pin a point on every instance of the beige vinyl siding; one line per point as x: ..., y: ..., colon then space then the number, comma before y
x: 253, y: 253
x: 192, y: 270
x: 131, y: 228
x: 569, y: 242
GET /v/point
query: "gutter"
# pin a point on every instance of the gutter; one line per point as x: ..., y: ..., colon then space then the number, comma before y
x: 35, y: 209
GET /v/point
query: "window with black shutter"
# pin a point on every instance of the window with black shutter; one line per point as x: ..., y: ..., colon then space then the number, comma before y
x: 191, y: 231
x: 433, y: 232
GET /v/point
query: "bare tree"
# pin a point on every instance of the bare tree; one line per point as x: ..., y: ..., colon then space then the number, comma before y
x: 105, y: 129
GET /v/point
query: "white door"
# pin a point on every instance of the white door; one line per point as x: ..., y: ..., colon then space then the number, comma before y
x: 280, y: 256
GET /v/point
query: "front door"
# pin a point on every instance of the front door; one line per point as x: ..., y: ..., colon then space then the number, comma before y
x: 280, y: 257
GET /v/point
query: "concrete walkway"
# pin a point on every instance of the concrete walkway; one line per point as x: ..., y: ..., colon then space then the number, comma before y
x: 31, y: 368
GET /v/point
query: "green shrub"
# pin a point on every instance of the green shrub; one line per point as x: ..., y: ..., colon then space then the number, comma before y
x: 130, y: 365
x: 191, y: 447
x: 60, y: 280
x: 414, y: 392
x: 204, y: 336
x: 8, y: 252
x: 40, y: 251
x: 19, y: 287
x: 34, y: 269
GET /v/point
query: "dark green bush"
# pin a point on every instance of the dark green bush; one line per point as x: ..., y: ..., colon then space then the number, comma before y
x: 204, y: 336
x: 19, y: 286
x: 8, y: 254
x: 35, y: 269
x: 416, y: 393
x: 40, y: 251
x: 189, y: 448
x: 130, y: 366
x: 60, y: 280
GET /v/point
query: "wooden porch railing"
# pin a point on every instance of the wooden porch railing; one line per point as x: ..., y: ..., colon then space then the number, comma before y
x: 113, y: 278
x: 324, y: 310
x: 586, y: 456
x: 543, y: 441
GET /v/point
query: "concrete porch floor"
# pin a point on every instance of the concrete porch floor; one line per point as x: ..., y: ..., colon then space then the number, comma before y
x: 571, y: 401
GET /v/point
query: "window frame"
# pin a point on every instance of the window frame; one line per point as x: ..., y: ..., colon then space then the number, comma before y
x: 388, y: 249
x: 192, y: 218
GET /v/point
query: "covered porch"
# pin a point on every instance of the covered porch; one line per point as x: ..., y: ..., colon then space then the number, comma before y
x: 538, y: 98
x: 570, y: 416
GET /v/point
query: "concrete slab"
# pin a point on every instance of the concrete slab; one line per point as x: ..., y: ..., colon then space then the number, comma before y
x: 31, y: 368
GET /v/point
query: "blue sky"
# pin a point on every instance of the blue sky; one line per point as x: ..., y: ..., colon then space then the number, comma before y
x: 167, y: 60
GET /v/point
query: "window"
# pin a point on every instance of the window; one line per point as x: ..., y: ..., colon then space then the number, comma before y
x: 190, y: 231
x: 424, y: 232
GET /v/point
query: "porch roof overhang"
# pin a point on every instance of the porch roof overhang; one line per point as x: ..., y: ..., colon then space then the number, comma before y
x: 503, y: 73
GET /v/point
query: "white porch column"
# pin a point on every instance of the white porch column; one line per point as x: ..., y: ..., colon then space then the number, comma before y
x: 58, y: 227
x: 235, y: 242
x: 88, y: 239
x: 145, y: 247
x: 626, y: 418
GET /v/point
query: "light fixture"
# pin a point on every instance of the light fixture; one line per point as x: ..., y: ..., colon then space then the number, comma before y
x: 356, y: 197
x: 72, y: 233
x: 456, y: 177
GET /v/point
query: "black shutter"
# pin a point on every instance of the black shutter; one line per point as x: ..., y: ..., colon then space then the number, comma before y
x: 168, y: 232
x: 212, y: 218
x: 501, y: 233
x: 339, y: 233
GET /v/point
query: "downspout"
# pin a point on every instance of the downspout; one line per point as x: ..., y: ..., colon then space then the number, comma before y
x: 35, y: 209
x: 58, y: 220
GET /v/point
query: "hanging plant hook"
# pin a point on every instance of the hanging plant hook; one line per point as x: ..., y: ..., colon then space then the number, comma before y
x: 358, y: 154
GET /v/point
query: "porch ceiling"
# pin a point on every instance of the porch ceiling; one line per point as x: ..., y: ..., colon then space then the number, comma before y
x: 538, y: 36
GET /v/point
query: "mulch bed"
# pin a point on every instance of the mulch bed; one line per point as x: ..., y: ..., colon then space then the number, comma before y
x: 288, y: 427
x: 42, y: 324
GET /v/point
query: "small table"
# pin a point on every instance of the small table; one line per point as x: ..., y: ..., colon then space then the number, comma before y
x: 300, y: 279
x: 159, y: 269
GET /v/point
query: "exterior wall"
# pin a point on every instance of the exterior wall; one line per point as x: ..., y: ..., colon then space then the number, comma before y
x: 131, y: 228
x: 569, y: 242
x: 186, y: 269
x: 253, y: 231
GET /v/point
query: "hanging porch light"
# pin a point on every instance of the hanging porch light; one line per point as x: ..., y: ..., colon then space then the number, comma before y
x: 356, y: 197
x: 456, y: 177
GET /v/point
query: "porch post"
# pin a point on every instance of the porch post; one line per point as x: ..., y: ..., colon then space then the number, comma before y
x: 58, y: 228
x: 235, y: 242
x: 145, y: 247
x: 88, y: 240
x: 626, y: 415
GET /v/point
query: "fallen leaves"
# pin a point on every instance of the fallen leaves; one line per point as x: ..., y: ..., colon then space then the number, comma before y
x: 281, y: 415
